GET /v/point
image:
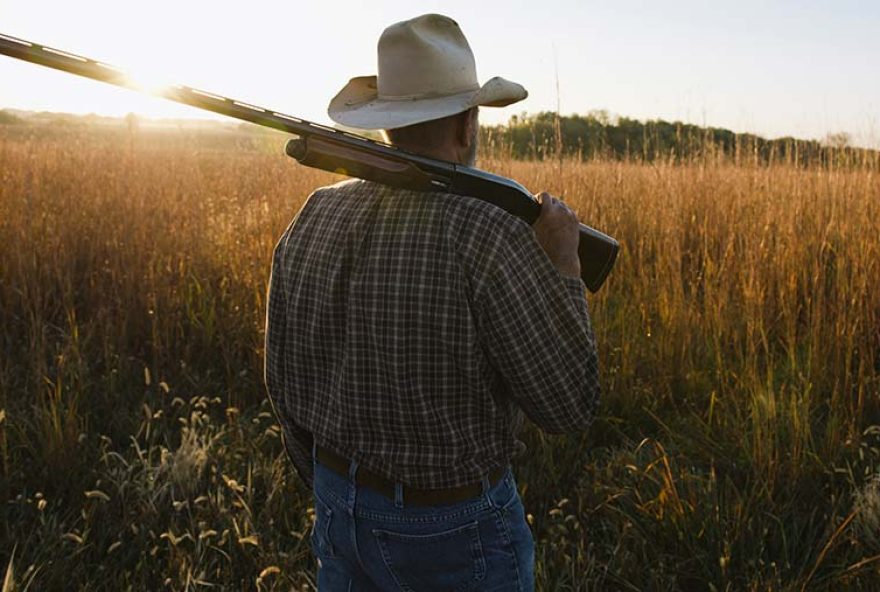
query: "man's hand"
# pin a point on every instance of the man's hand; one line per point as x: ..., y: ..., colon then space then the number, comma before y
x: 557, y: 232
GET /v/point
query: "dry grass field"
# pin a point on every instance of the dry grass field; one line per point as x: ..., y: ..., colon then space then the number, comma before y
x: 738, y: 446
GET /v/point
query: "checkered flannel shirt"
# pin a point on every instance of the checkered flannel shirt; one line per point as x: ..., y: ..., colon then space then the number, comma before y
x: 409, y: 331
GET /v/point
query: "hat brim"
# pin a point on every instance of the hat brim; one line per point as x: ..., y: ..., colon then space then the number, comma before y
x: 358, y: 104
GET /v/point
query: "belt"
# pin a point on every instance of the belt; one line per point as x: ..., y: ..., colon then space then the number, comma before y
x: 412, y: 496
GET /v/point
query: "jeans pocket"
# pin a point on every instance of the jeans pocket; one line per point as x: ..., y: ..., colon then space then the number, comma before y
x: 450, y: 560
x: 504, y: 493
x: 519, y: 539
x: 320, y: 537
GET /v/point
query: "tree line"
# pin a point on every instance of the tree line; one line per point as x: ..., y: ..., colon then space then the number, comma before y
x: 598, y: 135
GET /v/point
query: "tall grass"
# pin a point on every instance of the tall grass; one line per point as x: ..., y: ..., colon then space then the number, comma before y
x: 740, y: 352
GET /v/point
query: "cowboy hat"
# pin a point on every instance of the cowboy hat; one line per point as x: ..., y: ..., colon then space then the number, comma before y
x: 426, y: 71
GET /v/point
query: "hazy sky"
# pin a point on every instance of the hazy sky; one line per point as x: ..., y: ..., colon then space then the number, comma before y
x: 776, y: 68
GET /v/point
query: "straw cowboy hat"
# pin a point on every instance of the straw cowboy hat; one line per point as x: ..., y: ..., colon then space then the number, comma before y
x: 426, y: 71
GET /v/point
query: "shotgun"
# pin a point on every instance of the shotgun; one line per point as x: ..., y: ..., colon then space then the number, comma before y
x: 343, y: 152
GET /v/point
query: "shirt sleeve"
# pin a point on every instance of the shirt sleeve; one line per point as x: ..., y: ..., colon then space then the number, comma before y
x: 537, y: 332
x: 297, y: 441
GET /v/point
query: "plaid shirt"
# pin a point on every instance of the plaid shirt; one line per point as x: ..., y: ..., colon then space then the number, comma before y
x: 409, y: 331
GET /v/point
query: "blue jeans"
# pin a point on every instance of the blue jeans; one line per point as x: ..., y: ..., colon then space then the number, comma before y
x: 365, y: 541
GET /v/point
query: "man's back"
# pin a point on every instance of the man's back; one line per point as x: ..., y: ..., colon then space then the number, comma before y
x: 408, y: 329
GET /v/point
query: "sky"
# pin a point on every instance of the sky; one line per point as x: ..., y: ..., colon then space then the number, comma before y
x: 773, y: 67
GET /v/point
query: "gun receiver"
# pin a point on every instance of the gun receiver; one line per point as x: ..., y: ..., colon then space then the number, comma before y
x: 342, y: 152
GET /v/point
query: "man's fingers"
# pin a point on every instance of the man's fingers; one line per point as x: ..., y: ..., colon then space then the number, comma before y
x: 545, y: 198
x: 554, y: 208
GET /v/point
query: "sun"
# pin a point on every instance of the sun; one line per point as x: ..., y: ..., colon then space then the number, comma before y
x: 148, y: 82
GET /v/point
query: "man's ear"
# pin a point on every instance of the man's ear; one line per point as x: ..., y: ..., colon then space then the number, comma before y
x: 466, y: 124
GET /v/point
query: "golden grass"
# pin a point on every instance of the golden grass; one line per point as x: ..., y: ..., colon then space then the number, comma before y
x: 740, y: 351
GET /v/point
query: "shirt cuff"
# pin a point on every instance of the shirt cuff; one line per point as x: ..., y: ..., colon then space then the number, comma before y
x: 299, y: 443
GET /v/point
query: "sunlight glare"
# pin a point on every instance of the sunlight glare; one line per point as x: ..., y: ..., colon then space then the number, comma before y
x: 148, y: 82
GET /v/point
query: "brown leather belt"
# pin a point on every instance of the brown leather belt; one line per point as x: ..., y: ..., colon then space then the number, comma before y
x: 412, y: 496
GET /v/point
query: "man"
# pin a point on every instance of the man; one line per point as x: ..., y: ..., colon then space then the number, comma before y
x: 408, y: 331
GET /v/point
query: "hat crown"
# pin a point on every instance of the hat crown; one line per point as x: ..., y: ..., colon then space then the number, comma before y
x: 427, y: 56
x: 426, y: 72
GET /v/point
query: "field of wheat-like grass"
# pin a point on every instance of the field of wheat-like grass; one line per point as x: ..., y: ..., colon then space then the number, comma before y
x: 738, y: 446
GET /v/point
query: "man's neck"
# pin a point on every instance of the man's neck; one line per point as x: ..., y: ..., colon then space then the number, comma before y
x: 447, y: 153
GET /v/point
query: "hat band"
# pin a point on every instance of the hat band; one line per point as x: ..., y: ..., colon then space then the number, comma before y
x: 433, y: 95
